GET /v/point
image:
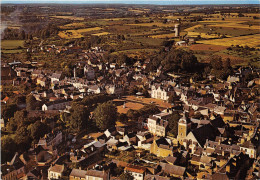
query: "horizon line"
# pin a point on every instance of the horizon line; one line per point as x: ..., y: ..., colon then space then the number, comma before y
x: 136, y: 2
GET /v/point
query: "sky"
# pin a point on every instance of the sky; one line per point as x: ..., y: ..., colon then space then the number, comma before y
x: 157, y: 2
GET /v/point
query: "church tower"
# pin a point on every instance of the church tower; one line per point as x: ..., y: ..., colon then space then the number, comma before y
x: 184, y: 126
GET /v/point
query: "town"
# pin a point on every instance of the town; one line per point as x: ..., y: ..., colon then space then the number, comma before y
x: 76, y: 108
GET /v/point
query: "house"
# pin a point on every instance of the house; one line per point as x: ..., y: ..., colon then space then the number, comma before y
x: 89, y: 72
x: 97, y: 175
x: 55, y: 172
x: 13, y: 169
x: 232, y: 79
x: 33, y: 174
x: 42, y: 81
x: 56, y: 105
x: 95, y: 89
x: 155, y: 177
x: 249, y: 149
x: 78, y: 174
x: 173, y: 170
x: 159, y: 92
x: 198, y: 136
x: 112, y: 144
x: 144, y: 140
x: 162, y: 147
x: 114, y: 89
x: 158, y: 123
x: 57, y: 76
x: 137, y: 172
x: 5, y: 100
x: 181, y: 43
x: 50, y: 139
x: 204, y: 162
x: 2, y: 123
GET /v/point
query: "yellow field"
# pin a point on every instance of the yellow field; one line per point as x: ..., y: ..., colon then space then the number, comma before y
x: 76, y: 33
x: 162, y: 36
x: 251, y: 41
x: 137, y: 10
x: 159, y: 24
x: 235, y: 24
x: 101, y: 34
x: 203, y: 35
x: 75, y: 25
x: 69, y: 17
x: 193, y: 27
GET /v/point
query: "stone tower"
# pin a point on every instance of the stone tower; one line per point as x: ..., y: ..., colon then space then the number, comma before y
x: 184, y: 126
x: 177, y: 30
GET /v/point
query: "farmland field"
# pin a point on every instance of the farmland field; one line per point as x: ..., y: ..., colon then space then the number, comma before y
x: 101, y: 34
x: 77, y: 33
x: 69, y: 17
x: 251, y: 41
x: 11, y: 44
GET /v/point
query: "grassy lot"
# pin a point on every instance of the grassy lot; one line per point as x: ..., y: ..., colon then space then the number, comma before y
x: 136, y: 103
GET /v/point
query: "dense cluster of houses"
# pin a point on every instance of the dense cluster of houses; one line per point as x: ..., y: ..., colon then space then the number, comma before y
x: 217, y: 133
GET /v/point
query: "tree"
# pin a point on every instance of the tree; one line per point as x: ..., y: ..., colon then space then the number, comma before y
x: 22, y: 139
x: 173, y: 97
x: 132, y: 114
x: 216, y: 62
x: 126, y: 176
x: 37, y: 130
x: 8, y: 111
x: 173, y: 123
x: 30, y: 102
x: 8, y: 148
x: 122, y: 117
x: 149, y: 110
x: 22, y: 34
x: 11, y: 125
x: 227, y: 64
x: 79, y: 117
x: 20, y: 116
x: 105, y: 115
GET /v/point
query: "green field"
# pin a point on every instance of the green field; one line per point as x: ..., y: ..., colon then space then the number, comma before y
x: 11, y: 44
